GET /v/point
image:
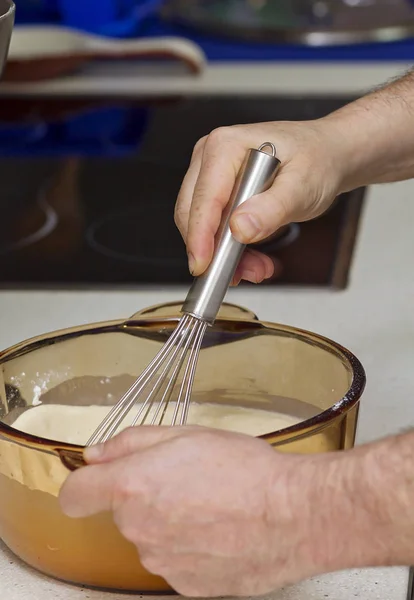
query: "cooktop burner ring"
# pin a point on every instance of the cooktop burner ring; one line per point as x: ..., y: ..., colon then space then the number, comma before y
x: 92, y: 233
x: 49, y: 225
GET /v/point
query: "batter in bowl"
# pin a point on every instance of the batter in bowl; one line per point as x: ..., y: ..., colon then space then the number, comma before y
x: 75, y: 424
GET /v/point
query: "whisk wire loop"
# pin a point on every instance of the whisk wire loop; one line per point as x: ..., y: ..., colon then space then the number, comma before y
x: 182, y: 348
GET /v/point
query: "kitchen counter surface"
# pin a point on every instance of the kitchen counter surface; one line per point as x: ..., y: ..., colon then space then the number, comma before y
x: 125, y: 80
x: 373, y: 318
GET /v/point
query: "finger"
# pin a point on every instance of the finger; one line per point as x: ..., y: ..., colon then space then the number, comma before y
x: 262, y: 215
x: 238, y: 276
x: 222, y: 158
x: 254, y: 267
x: 92, y: 489
x: 185, y: 195
x: 273, y: 266
x: 133, y: 439
x: 89, y: 490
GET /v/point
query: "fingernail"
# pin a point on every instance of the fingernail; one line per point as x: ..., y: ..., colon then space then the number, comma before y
x: 247, y: 227
x: 191, y: 263
x: 93, y: 453
x: 250, y: 276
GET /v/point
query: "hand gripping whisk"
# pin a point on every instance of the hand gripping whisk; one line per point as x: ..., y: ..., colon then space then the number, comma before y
x: 151, y: 393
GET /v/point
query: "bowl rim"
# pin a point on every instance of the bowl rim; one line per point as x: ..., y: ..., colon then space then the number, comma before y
x: 72, y: 454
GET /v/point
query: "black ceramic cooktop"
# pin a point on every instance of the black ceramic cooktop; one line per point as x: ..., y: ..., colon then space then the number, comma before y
x: 87, y: 192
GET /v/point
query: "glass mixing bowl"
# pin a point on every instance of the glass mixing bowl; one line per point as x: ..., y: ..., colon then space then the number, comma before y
x: 243, y: 362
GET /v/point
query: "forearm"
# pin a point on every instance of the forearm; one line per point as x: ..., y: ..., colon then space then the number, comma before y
x: 351, y: 509
x: 377, y: 135
x: 369, y: 505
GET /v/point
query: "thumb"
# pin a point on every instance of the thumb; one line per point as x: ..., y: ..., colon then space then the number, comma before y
x: 133, y: 439
x: 262, y: 215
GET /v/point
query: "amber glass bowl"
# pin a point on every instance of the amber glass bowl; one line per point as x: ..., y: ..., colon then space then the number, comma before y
x: 244, y: 362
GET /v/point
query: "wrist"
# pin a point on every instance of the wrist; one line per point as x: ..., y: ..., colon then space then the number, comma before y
x: 373, y: 141
x: 338, y: 532
x: 318, y: 500
x: 350, y: 525
x: 361, y: 500
x: 355, y: 155
x: 388, y: 492
x: 338, y: 515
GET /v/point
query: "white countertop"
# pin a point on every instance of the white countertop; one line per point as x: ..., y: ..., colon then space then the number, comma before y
x: 373, y: 317
x: 140, y: 79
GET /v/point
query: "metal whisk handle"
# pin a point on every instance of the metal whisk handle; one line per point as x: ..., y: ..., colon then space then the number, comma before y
x: 207, y: 293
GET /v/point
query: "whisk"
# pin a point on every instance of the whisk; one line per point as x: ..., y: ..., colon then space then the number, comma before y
x: 151, y: 392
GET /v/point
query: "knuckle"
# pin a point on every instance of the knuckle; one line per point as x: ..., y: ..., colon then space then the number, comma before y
x: 126, y: 527
x: 142, y: 531
x: 198, y: 147
x: 120, y: 497
x: 152, y: 563
x: 127, y: 437
x: 218, y: 136
x: 125, y: 489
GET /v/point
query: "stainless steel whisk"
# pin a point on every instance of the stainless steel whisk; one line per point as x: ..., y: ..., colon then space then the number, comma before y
x: 153, y: 389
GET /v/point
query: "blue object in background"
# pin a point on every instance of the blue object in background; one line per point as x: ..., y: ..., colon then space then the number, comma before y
x: 115, y: 18
x: 87, y: 14
x: 13, y: 137
x: 118, y: 18
x: 108, y: 131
